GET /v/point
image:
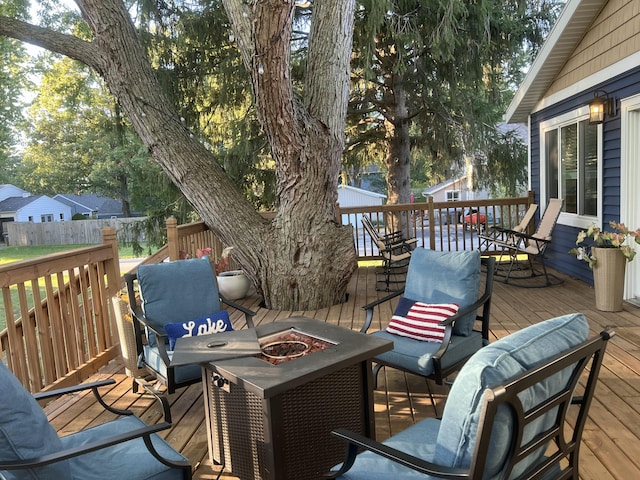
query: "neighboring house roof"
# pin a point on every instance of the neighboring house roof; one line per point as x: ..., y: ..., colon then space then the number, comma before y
x: 569, y: 29
x: 13, y: 204
x: 362, y: 191
x: 443, y: 185
x: 91, y: 202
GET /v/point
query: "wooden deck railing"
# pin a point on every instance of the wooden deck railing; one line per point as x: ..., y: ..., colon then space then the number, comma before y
x: 60, y: 320
x: 436, y: 225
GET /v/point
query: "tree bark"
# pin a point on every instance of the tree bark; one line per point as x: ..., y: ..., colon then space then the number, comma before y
x: 303, y: 259
x: 399, y: 159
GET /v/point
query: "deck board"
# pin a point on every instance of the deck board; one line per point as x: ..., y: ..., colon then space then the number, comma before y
x: 611, y: 443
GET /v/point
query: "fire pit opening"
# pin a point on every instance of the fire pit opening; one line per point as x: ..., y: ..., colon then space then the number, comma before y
x: 290, y: 344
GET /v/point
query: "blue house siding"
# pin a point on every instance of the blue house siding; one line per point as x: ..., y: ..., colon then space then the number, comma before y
x: 621, y: 86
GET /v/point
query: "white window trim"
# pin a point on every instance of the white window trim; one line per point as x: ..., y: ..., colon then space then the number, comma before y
x: 569, y: 219
x: 447, y: 192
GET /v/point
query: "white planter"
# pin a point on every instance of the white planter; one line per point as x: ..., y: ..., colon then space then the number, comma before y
x: 233, y: 285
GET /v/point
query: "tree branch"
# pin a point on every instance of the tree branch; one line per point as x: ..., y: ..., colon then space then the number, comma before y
x: 57, y: 42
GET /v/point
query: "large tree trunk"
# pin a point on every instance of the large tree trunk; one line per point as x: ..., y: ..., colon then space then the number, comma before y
x: 304, y: 259
x: 399, y: 158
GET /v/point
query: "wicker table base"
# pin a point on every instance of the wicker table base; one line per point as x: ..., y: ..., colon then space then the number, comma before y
x: 283, y: 431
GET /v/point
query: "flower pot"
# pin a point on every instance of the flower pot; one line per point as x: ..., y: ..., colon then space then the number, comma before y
x: 608, y: 278
x: 233, y: 285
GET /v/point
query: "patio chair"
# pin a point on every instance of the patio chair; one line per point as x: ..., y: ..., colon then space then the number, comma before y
x: 498, y: 236
x: 395, y: 251
x: 533, y: 246
x: 505, y: 415
x: 177, y: 299
x: 122, y: 448
x: 432, y: 328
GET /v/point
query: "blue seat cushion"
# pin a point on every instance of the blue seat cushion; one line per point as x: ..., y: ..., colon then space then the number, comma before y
x: 178, y: 291
x: 417, y: 356
x: 25, y: 431
x: 417, y: 440
x: 493, y: 365
x: 128, y: 460
x: 181, y: 374
x: 445, y: 277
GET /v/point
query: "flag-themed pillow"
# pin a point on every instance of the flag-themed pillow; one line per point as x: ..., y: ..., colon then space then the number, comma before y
x: 419, y: 320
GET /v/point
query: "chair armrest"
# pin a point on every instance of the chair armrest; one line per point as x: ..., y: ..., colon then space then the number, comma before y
x: 93, y: 386
x: 357, y: 441
x: 370, y: 306
x: 144, y: 432
x: 248, y: 314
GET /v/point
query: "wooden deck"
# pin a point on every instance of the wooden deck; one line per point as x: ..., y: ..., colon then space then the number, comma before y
x: 611, y: 441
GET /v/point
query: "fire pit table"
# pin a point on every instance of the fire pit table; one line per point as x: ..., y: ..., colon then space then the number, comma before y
x: 270, y: 416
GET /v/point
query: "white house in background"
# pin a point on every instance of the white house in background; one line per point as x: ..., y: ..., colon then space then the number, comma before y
x: 7, y: 190
x: 357, y: 197
x: 35, y: 208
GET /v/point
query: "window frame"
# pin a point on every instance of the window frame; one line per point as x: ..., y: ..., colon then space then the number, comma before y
x: 454, y: 193
x: 556, y: 123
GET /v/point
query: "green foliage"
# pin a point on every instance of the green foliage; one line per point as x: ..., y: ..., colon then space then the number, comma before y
x: 454, y: 64
x: 12, y: 82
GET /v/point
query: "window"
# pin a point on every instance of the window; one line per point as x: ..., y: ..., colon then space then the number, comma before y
x: 570, y: 166
x: 46, y: 218
x: 452, y: 195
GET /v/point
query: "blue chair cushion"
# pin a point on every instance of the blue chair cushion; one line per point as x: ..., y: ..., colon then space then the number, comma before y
x: 216, y: 323
x: 168, y: 290
x: 25, y: 431
x: 417, y: 356
x: 493, y: 365
x: 181, y: 374
x: 417, y: 440
x: 445, y: 277
x: 128, y: 460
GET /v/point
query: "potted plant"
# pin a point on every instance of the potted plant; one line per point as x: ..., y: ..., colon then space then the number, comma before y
x: 232, y: 284
x: 607, y: 253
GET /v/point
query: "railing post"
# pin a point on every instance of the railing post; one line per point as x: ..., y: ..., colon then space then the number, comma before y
x: 172, y: 239
x: 432, y: 223
x: 110, y: 237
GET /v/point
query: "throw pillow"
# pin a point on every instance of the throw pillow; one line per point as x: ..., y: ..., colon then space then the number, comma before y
x: 216, y: 323
x: 421, y: 321
x: 446, y: 277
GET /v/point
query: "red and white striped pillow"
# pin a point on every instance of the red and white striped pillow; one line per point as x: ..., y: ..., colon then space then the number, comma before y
x: 421, y: 321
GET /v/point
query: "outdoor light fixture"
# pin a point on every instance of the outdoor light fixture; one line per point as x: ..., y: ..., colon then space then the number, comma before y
x: 600, y: 106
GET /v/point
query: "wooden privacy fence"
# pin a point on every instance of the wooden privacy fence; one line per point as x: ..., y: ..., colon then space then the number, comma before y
x: 76, y: 232
x: 60, y: 325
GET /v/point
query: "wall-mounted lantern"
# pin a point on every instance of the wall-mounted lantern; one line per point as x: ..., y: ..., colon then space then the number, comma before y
x: 600, y: 106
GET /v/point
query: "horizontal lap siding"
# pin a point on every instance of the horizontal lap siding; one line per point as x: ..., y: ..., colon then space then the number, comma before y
x: 620, y: 87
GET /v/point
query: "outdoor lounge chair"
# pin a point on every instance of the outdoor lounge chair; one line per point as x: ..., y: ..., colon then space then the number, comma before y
x: 499, y: 236
x: 124, y: 448
x: 178, y: 298
x: 422, y: 345
x: 533, y: 246
x: 505, y: 415
x: 395, y: 251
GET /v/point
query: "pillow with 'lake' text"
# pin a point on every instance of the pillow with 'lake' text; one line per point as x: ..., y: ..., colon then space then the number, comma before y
x: 421, y: 321
x: 216, y: 323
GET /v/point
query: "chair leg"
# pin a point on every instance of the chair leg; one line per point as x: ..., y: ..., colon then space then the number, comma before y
x: 376, y: 369
x: 433, y: 400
